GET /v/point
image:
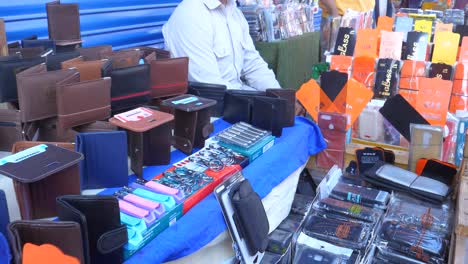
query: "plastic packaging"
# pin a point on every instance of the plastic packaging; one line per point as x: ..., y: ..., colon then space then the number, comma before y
x: 386, y: 79
x: 333, y: 127
x: 311, y: 250
x: 360, y: 195
x: 339, y: 231
x: 450, y: 140
x: 301, y: 204
x: 364, y: 71
x: 348, y: 209
x: 279, y: 241
x: 387, y: 255
x: 410, y: 211
x: 426, y: 142
x: 292, y: 223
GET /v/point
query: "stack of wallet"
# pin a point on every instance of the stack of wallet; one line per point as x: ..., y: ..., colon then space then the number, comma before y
x: 211, y: 91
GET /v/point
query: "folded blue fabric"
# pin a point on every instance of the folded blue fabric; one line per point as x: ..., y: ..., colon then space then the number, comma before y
x: 4, y: 216
x: 105, y: 163
x: 5, y: 256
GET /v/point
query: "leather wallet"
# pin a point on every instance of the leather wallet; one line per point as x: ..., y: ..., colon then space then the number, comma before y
x: 169, y: 77
x: 95, y: 52
x: 160, y: 53
x: 102, y: 233
x: 99, y: 169
x: 63, y: 21
x: 40, y: 174
x: 269, y: 114
x: 130, y: 87
x: 149, y: 58
x: 3, y: 39
x: 54, y: 61
x: 401, y: 114
x: 211, y: 91
x: 27, y: 52
x: 89, y: 70
x: 290, y: 96
x: 8, y: 71
x: 64, y: 235
x: 80, y: 103
x: 192, y: 121
x: 11, y: 129
x: 123, y: 58
x: 37, y: 91
x: 238, y: 105
x: 46, y: 44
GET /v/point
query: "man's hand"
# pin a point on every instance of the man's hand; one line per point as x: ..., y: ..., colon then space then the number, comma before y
x: 300, y: 110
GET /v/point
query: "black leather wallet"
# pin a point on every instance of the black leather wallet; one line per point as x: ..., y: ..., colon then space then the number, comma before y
x: 210, y: 91
x: 238, y: 105
x: 102, y: 233
x: 54, y: 61
x: 8, y: 71
x: 290, y: 96
x: 269, y: 113
x: 130, y: 87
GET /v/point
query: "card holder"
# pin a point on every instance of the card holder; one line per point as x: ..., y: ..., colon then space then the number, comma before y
x: 8, y: 71
x: 65, y: 235
x: 169, y: 77
x: 40, y: 174
x: 123, y: 58
x: 63, y: 21
x: 250, y: 217
x: 37, y: 90
x: 103, y: 237
x: 269, y: 114
x: 130, y: 87
x: 76, y: 107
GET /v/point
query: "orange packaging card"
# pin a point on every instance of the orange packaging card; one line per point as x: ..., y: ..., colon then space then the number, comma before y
x: 410, y: 83
x: 309, y: 96
x: 445, y: 47
x: 461, y: 71
x: 433, y: 100
x: 390, y: 45
x: 458, y: 102
x: 441, y: 27
x: 409, y: 95
x: 46, y: 254
x: 357, y: 98
x: 463, y: 57
x: 341, y: 63
x: 367, y: 43
x: 460, y: 87
x: 364, y: 71
x: 385, y: 23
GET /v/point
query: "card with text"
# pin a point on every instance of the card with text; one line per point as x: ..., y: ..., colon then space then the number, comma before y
x: 367, y: 43
x: 390, y: 45
x: 345, y: 42
x: 445, y: 47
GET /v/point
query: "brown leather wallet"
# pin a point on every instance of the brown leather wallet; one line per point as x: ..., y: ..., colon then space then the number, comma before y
x: 89, y: 70
x: 27, y: 52
x: 37, y: 91
x: 10, y: 128
x: 83, y: 102
x: 65, y: 235
x: 63, y: 21
x: 95, y: 52
x: 3, y: 40
x: 41, y: 174
x: 169, y: 77
x: 150, y: 57
x: 123, y: 58
x: 160, y: 53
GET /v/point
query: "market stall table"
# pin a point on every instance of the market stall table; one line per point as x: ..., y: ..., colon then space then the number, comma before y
x: 204, y: 222
x: 292, y: 59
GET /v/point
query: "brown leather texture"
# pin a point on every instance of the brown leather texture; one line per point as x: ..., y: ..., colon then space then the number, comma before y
x: 89, y: 70
x: 27, y: 52
x: 37, y: 91
x: 169, y: 77
x: 63, y: 22
x: 83, y: 102
x: 10, y: 128
x: 64, y: 235
x: 123, y: 58
x: 95, y: 52
x: 149, y: 58
x: 37, y: 199
x: 3, y: 40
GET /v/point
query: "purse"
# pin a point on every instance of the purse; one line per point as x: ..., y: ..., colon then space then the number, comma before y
x: 169, y: 77
x: 102, y: 233
x: 130, y: 88
x: 37, y: 89
x: 84, y: 102
x: 64, y: 235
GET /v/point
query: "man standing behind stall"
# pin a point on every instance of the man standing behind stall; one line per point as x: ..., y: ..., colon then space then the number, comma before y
x: 214, y: 34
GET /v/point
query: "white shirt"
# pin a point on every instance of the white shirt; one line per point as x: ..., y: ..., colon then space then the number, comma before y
x: 216, y: 39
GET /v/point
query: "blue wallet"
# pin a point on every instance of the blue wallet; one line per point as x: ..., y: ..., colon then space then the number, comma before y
x: 105, y: 163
